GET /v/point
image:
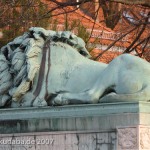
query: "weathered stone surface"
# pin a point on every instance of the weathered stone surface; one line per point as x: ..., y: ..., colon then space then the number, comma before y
x: 144, y: 137
x: 84, y: 127
x: 60, y: 141
x: 71, y: 118
x: 133, y: 138
x: 127, y: 138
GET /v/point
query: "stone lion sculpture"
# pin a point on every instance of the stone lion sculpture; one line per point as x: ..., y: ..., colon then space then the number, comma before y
x: 44, y: 67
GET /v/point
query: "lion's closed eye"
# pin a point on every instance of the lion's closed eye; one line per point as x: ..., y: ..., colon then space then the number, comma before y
x: 83, y: 53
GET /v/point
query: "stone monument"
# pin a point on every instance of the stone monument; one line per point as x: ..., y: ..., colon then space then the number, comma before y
x: 52, y: 96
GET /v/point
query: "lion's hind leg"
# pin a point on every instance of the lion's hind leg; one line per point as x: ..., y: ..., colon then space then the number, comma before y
x: 142, y: 95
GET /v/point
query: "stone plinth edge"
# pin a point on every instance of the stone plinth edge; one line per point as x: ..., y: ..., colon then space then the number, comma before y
x: 95, y: 117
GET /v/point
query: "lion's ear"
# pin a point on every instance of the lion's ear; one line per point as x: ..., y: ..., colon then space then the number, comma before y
x: 72, y: 36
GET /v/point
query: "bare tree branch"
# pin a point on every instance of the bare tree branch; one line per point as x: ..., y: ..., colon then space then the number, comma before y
x: 112, y: 44
x: 134, y: 2
x: 142, y: 51
x: 64, y: 4
x: 138, y: 36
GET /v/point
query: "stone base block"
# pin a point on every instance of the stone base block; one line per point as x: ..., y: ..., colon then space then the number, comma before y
x: 59, y: 141
x: 115, y: 126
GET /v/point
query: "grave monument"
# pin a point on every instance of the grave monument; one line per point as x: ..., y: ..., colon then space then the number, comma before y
x: 53, y: 96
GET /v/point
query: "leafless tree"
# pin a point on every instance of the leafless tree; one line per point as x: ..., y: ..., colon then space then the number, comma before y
x: 16, y: 16
x: 135, y: 14
x: 132, y: 16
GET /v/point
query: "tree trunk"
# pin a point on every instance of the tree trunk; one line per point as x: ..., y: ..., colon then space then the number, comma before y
x: 111, y: 12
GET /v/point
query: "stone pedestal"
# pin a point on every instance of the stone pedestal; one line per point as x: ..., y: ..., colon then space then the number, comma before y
x: 114, y: 126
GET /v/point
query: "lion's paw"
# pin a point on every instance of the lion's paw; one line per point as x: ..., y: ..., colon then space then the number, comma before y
x: 60, y: 99
x: 39, y: 102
